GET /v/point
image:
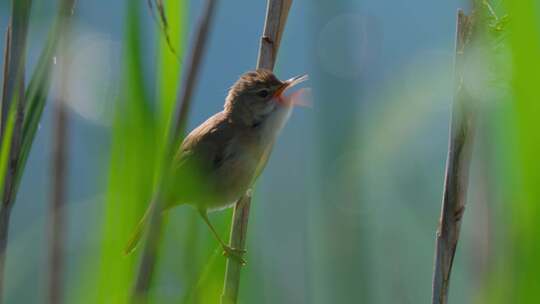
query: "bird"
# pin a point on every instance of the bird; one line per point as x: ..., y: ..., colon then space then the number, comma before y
x: 220, y: 160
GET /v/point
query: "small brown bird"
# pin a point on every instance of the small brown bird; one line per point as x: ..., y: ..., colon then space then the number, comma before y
x: 221, y: 159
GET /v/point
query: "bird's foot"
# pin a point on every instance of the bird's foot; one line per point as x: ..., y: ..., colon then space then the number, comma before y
x: 235, y: 253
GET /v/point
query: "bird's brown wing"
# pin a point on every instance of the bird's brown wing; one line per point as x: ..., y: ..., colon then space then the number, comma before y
x: 200, y: 153
x: 207, y: 142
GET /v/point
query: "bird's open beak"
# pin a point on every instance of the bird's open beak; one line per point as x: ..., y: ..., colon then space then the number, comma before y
x: 289, y: 83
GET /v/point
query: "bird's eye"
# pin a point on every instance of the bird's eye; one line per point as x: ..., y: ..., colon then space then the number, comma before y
x: 263, y: 93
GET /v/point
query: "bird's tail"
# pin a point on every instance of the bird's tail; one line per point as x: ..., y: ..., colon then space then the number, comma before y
x: 137, y: 234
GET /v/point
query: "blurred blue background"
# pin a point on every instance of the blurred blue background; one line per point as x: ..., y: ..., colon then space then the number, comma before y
x: 348, y: 205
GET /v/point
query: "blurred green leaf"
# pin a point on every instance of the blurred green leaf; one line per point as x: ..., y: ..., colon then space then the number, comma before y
x: 132, y: 168
x: 36, y: 97
x: 6, y: 144
x: 516, y: 278
x: 137, y: 147
x: 168, y: 74
x: 525, y: 44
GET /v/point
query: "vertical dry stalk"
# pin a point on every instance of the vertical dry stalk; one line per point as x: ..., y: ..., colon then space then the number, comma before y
x: 57, y: 224
x: 274, y: 25
x: 457, y: 167
x: 149, y: 255
x: 237, y: 240
x: 276, y: 17
x: 191, y: 74
x: 13, y: 92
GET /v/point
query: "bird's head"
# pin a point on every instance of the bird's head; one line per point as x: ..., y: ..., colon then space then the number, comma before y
x: 257, y: 95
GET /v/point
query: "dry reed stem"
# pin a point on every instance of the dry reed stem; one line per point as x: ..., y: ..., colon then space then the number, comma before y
x: 57, y: 227
x: 462, y: 129
x: 57, y: 217
x: 237, y: 240
x: 276, y: 17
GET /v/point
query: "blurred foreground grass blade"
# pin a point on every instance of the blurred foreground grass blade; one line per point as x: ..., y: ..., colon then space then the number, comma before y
x: 12, y: 104
x: 169, y: 65
x: 6, y: 144
x: 36, y: 97
x: 29, y: 116
x: 23, y: 110
x: 132, y: 168
x: 15, y: 63
x: 521, y: 278
x: 162, y: 21
x: 171, y: 43
x: 174, y: 137
x: 37, y: 92
x: 169, y: 68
